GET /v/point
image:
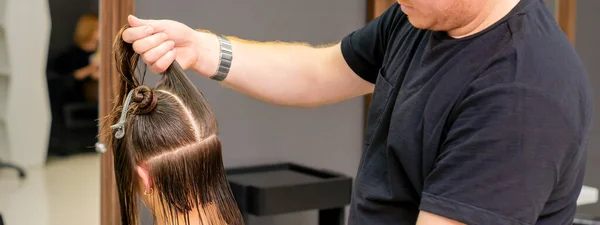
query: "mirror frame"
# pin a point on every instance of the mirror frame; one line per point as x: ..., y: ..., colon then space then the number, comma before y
x: 113, y: 15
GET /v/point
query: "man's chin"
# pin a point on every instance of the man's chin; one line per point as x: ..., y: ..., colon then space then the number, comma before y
x: 419, y: 23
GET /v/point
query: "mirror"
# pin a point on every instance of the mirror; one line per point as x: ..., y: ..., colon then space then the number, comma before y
x: 48, y: 109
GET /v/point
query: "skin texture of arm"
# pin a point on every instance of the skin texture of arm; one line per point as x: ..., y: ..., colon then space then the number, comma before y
x: 293, y: 74
x: 84, y: 72
x: 426, y: 218
x: 287, y: 74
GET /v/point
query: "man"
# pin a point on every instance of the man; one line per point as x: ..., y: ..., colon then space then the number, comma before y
x: 480, y: 114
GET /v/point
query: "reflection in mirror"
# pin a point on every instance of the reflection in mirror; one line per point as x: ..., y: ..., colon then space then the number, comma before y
x: 62, y: 182
x: 73, y: 86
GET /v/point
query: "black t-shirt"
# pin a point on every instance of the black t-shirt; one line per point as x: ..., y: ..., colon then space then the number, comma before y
x: 65, y: 65
x: 487, y: 129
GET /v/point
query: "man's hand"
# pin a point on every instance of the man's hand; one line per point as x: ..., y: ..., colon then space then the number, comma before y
x: 290, y: 74
x: 95, y: 59
x: 95, y: 73
x: 160, y: 42
x: 84, y: 72
x: 426, y: 218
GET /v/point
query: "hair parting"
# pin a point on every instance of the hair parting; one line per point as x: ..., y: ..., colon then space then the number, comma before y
x: 170, y: 131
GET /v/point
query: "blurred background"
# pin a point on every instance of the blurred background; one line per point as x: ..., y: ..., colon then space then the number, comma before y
x: 49, y: 100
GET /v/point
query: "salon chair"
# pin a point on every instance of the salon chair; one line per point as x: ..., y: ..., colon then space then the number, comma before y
x: 74, y: 124
x: 21, y: 171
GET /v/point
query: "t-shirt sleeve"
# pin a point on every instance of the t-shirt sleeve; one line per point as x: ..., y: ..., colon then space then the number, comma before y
x: 364, y: 48
x: 502, y: 156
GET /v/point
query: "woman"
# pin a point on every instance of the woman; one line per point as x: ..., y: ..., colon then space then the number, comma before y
x: 73, y: 91
x: 80, y: 62
x: 166, y: 148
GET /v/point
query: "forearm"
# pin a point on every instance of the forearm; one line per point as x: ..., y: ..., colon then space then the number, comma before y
x: 291, y: 74
x: 427, y: 218
x: 82, y: 73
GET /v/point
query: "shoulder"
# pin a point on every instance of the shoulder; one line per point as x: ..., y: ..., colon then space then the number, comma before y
x: 71, y: 51
x: 364, y: 49
x: 525, y: 94
x: 533, y: 76
x: 543, y: 55
x: 536, y: 56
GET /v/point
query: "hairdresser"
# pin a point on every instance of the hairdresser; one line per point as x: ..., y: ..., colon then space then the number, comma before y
x: 480, y: 115
x: 80, y: 63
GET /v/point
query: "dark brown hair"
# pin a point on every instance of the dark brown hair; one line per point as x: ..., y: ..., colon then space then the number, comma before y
x: 171, y: 131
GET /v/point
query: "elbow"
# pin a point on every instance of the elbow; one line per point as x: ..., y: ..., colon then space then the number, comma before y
x: 305, y: 100
x: 308, y: 96
x: 310, y: 104
x: 305, y: 96
x: 313, y: 100
x: 306, y: 88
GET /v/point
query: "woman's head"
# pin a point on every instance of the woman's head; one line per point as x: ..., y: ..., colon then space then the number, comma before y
x: 166, y: 148
x: 87, y: 32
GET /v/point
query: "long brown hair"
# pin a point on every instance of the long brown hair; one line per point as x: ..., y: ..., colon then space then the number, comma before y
x: 171, y: 131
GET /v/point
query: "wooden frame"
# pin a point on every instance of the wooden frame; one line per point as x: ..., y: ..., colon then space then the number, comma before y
x: 566, y: 14
x: 113, y: 15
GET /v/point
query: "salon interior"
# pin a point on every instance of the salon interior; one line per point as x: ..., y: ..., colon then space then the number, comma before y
x: 55, y: 171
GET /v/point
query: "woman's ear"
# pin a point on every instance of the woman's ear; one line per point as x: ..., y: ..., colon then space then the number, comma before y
x: 145, y: 177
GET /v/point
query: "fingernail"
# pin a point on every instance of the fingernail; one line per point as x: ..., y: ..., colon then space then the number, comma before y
x: 164, y: 36
x: 149, y: 30
x: 172, y: 44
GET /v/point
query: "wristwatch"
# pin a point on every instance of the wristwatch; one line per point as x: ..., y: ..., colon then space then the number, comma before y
x: 225, y: 58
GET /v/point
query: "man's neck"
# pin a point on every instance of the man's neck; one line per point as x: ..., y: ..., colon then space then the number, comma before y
x: 492, y: 12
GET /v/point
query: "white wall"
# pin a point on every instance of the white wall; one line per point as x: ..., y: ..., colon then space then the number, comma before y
x: 24, y: 34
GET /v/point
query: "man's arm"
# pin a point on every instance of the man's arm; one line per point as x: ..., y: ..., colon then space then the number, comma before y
x: 290, y: 74
x: 426, y: 218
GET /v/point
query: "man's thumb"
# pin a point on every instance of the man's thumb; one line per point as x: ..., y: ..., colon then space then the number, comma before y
x: 136, y: 22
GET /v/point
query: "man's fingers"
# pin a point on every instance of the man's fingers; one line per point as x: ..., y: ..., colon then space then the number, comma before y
x: 133, y: 34
x: 149, y: 40
x: 141, y: 46
x: 158, y: 25
x: 164, y: 62
x: 135, y: 22
x: 152, y: 55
